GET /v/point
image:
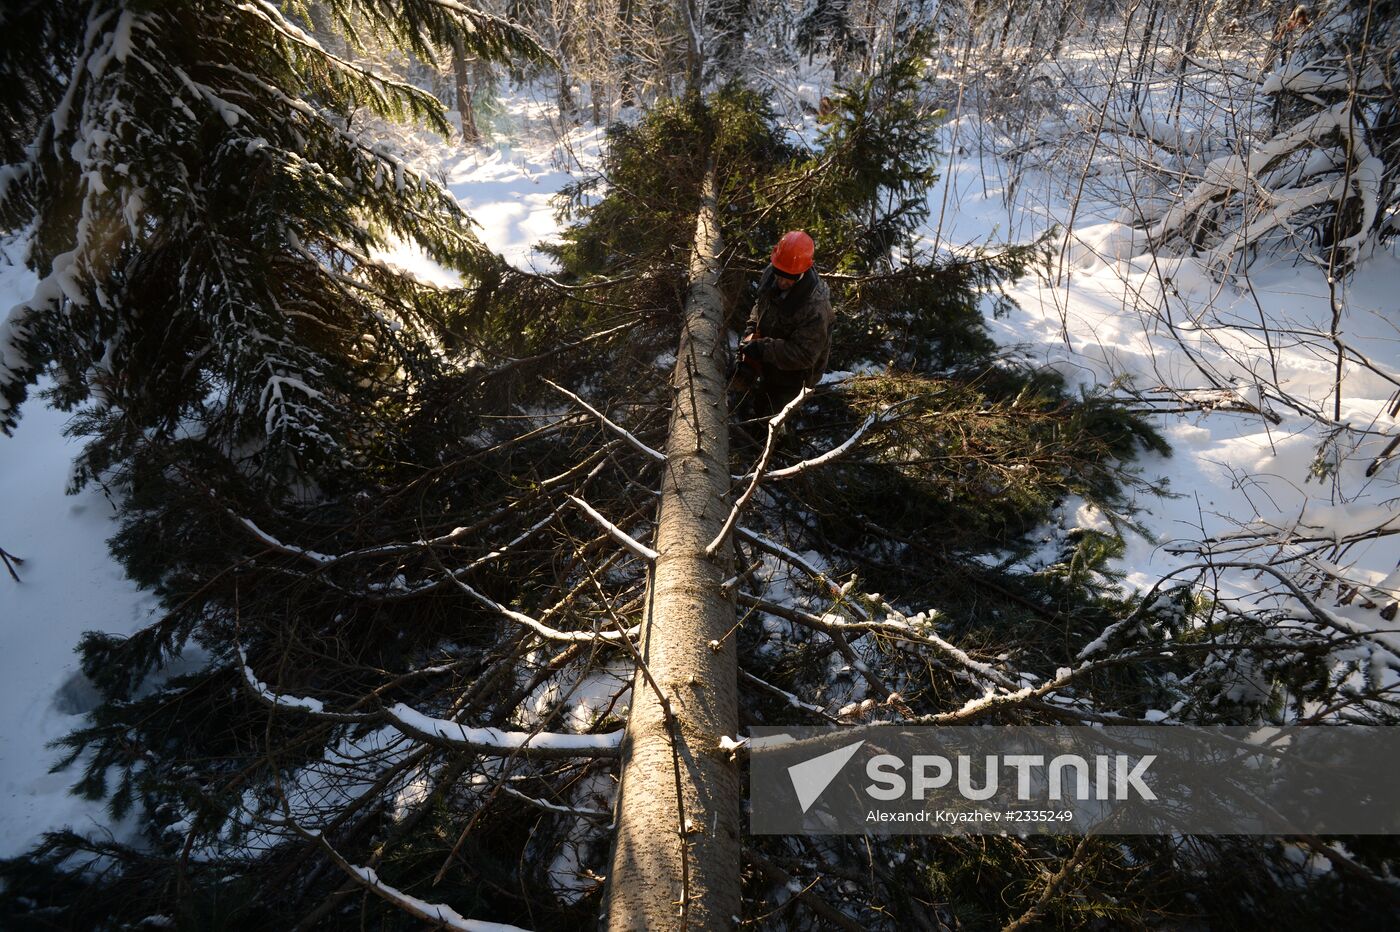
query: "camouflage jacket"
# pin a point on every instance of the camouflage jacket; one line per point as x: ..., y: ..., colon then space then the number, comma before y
x: 795, y: 326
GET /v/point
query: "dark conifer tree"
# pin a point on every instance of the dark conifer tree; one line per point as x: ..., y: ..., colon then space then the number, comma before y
x: 204, y: 222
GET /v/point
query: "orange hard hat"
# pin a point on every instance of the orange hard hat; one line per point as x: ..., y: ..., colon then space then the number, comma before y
x: 793, y: 254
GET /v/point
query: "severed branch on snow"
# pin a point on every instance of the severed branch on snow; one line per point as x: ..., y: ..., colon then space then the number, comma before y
x: 1387, y: 641
x: 11, y: 561
x: 1205, y: 400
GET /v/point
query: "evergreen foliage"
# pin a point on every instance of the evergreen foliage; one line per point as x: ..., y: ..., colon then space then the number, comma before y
x: 865, y: 193
x: 46, y: 32
x: 205, y: 221
x: 826, y: 26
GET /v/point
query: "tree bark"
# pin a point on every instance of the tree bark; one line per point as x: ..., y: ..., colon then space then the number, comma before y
x: 675, y: 862
x: 470, y: 134
x: 627, y: 80
x: 694, y: 54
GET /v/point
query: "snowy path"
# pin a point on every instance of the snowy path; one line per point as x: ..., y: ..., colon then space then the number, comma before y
x: 70, y: 584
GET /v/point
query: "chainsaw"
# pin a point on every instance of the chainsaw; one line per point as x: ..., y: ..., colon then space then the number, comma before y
x: 747, y: 370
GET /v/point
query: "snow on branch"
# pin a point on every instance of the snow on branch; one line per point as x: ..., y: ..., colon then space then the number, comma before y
x: 543, y: 630
x: 1346, y: 174
x: 486, y: 741
x: 791, y: 558
x: 442, y: 917
x: 269, y: 14
x: 610, y: 425
x: 878, y: 417
x: 1028, y: 695
x: 797, y: 469
x: 1300, y: 76
x: 900, y: 630
x: 273, y: 543
x: 615, y: 532
x: 1167, y: 135
x: 599, y: 815
x: 789, y: 698
x: 494, y: 741
x: 292, y: 703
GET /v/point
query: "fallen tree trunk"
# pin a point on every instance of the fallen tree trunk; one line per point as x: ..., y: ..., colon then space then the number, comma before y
x: 675, y: 859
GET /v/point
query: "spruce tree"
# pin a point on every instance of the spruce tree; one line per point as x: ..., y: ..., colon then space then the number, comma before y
x: 204, y: 218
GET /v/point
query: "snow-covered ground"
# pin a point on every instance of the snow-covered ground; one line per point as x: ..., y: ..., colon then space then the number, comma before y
x: 506, y: 184
x: 69, y: 584
x: 1104, y: 324
x: 1228, y: 469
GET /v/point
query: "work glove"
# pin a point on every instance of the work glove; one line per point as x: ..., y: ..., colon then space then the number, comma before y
x: 752, y: 349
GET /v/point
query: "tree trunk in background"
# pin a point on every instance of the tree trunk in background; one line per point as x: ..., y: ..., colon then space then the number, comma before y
x: 694, y: 62
x: 1140, y: 77
x: 1006, y: 27
x: 568, y: 106
x: 627, y: 91
x: 724, y: 23
x: 1188, y: 48
x: 1061, y: 26
x: 484, y: 83
x: 670, y: 870
x: 470, y: 134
